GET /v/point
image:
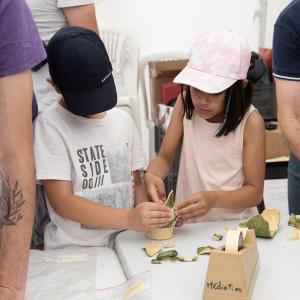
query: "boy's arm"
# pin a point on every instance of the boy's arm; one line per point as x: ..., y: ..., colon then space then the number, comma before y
x: 17, y: 183
x: 251, y: 193
x: 78, y: 209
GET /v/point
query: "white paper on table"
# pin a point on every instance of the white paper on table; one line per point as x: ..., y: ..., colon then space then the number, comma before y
x: 138, y: 287
x: 109, y: 271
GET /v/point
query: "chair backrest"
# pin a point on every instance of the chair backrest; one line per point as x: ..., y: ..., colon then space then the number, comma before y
x: 123, y: 51
x: 144, y: 79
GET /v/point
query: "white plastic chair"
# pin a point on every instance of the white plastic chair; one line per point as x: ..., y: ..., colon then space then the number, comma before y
x: 123, y: 51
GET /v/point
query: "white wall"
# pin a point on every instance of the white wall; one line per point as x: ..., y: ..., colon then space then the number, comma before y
x: 274, y: 8
x: 164, y: 25
x: 174, y: 24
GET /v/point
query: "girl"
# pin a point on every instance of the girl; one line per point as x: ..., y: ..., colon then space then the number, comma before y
x: 222, y: 162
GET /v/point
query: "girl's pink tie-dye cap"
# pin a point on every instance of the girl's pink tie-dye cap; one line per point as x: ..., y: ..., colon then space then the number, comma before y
x: 216, y: 61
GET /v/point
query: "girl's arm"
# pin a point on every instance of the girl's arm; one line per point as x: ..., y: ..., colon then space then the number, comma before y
x: 139, y: 189
x: 251, y: 193
x: 78, y: 209
x: 160, y: 165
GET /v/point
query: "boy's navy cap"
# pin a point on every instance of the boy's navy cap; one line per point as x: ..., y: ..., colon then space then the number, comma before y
x: 79, y: 65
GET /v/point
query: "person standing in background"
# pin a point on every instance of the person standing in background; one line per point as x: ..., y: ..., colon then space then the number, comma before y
x: 286, y: 70
x: 50, y: 16
x: 20, y: 50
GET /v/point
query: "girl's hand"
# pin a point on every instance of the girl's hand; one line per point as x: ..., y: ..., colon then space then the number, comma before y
x: 195, y: 206
x: 179, y: 222
x: 155, y: 188
x: 149, y: 215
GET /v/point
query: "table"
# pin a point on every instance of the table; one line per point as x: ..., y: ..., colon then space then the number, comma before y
x: 101, y: 268
x: 277, y: 277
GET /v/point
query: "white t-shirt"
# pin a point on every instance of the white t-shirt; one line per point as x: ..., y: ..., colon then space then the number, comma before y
x: 97, y: 156
x: 49, y: 18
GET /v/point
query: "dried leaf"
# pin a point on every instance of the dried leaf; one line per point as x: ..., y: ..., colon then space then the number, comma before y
x: 170, y: 203
x: 187, y: 258
x: 167, y: 254
x: 294, y: 234
x: 294, y: 221
x: 168, y: 245
x: 155, y: 262
x: 134, y: 289
x: 152, y: 248
x: 170, y: 200
x: 261, y: 226
x: 217, y: 237
x: 204, y: 250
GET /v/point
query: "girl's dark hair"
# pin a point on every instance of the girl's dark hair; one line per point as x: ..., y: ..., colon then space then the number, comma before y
x: 239, y: 103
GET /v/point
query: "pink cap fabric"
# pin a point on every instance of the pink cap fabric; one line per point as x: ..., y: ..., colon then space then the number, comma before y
x: 216, y: 61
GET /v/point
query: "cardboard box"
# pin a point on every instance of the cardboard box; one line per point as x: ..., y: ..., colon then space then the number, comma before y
x: 276, y: 145
x: 231, y: 276
x: 161, y: 72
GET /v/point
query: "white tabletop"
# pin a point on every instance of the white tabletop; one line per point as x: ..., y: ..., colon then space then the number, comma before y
x: 72, y: 274
x: 277, y: 277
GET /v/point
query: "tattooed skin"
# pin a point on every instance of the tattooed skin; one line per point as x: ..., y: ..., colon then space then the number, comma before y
x: 11, y: 201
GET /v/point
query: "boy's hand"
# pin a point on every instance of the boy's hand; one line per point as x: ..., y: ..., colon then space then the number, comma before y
x: 148, y: 215
x: 195, y: 206
x: 155, y: 188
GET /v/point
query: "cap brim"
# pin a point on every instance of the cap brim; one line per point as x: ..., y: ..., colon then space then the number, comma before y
x: 203, y: 81
x: 92, y: 102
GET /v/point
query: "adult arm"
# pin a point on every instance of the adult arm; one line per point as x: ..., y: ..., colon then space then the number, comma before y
x: 17, y: 183
x: 82, y: 16
x: 288, y: 100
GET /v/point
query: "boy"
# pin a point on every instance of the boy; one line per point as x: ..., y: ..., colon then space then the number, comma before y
x: 88, y: 152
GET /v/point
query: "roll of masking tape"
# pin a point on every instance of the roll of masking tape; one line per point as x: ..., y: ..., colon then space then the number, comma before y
x: 234, y: 240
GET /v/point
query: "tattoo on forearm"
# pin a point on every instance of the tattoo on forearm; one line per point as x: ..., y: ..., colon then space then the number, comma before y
x: 11, y: 201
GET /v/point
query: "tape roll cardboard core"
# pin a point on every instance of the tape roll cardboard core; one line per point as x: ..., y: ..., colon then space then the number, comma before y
x: 234, y: 240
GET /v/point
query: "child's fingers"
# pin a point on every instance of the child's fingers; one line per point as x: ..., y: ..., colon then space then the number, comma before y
x: 161, y: 214
x: 179, y: 223
x: 159, y: 222
x: 158, y: 207
x: 194, y: 214
x: 155, y: 196
x: 187, y: 202
x: 187, y: 209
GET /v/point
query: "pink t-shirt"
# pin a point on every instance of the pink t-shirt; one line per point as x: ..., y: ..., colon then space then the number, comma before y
x: 210, y: 163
